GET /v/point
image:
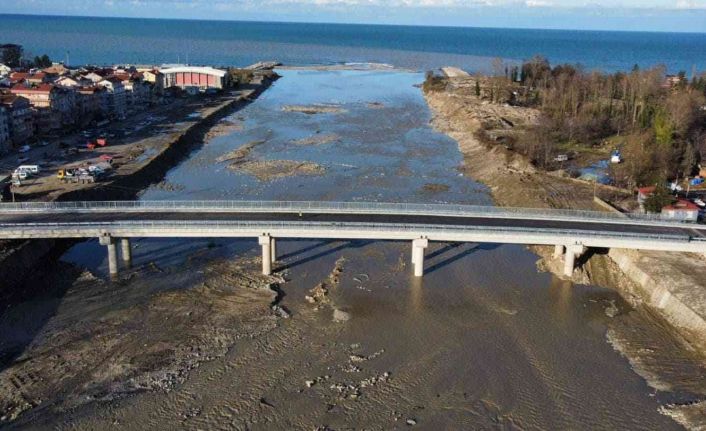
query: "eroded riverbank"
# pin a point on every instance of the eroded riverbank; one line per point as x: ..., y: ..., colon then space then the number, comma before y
x: 666, y: 287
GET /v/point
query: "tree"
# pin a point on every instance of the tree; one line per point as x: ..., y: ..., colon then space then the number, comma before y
x: 12, y: 55
x: 477, y: 87
x: 659, y: 199
x: 42, y: 62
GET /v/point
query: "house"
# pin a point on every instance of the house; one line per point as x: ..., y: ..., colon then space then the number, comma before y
x: 72, y: 82
x: 643, y: 193
x: 5, y: 143
x: 4, y: 70
x: 54, y: 106
x: 57, y: 69
x: 93, y: 77
x: 21, y: 118
x: 681, y: 210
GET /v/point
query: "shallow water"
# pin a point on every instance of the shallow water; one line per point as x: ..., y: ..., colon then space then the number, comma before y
x: 483, y: 340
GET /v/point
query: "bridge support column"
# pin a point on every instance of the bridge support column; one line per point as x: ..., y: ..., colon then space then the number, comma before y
x: 265, y: 242
x: 558, y: 251
x: 109, y: 242
x: 274, y: 250
x: 126, y: 251
x: 418, y: 246
x: 572, y: 252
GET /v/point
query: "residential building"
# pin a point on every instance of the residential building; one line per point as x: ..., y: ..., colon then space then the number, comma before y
x: 91, y: 103
x: 93, y: 77
x: 117, y: 105
x: 73, y: 81
x: 681, y: 210
x: 5, y: 143
x: 54, y: 106
x: 4, y: 70
x: 155, y: 77
x: 137, y: 93
x: 21, y: 118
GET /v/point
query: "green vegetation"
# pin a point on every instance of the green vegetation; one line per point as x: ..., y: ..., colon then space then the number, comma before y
x: 42, y: 62
x: 658, y: 200
x: 434, y: 83
x: 12, y: 56
x: 658, y: 122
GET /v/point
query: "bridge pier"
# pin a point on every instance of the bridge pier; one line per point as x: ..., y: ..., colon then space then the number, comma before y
x: 109, y: 242
x: 274, y: 250
x: 418, y: 246
x: 265, y: 242
x: 126, y: 251
x: 572, y: 252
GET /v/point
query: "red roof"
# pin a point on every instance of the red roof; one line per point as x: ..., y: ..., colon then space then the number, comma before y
x: 646, y: 190
x: 42, y: 88
x: 682, y: 205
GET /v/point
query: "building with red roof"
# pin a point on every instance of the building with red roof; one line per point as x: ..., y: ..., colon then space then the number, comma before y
x: 681, y: 210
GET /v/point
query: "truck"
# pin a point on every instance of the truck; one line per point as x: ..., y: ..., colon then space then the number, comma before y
x: 65, y: 174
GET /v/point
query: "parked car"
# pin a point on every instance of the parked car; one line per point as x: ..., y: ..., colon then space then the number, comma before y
x: 700, y: 202
x: 22, y: 159
x: 24, y: 149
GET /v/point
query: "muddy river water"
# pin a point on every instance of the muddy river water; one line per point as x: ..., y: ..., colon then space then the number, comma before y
x: 482, y: 341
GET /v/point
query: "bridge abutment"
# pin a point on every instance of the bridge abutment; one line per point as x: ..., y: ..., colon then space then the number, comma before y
x: 558, y: 251
x: 418, y: 246
x: 109, y: 242
x: 265, y: 242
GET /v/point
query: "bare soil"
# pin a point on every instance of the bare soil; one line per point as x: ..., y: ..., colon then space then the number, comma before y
x: 134, y: 342
x: 223, y: 128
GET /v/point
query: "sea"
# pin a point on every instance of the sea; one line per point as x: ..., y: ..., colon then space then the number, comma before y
x: 88, y: 40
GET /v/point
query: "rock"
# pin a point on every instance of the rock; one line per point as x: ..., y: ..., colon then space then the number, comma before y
x: 411, y: 422
x: 281, y: 312
x: 309, y: 383
x: 612, y: 310
x: 341, y: 316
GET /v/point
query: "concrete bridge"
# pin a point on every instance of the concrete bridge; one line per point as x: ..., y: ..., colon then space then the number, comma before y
x: 570, y: 231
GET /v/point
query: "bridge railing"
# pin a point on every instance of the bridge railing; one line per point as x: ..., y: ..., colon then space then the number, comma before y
x: 301, y: 226
x: 334, y: 208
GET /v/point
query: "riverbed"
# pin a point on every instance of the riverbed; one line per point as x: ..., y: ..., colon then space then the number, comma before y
x: 482, y: 341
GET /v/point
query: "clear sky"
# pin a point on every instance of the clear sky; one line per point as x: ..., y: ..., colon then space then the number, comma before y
x: 648, y: 15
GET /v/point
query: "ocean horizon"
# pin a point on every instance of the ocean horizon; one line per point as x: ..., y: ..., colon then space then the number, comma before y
x: 105, y: 40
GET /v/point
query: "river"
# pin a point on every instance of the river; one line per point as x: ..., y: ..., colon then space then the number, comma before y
x: 482, y: 341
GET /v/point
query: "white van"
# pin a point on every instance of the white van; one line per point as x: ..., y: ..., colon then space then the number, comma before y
x: 32, y: 169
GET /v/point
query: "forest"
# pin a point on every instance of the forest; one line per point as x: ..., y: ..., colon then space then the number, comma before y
x: 657, y: 121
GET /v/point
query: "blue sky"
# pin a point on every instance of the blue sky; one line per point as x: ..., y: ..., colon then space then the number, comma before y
x: 634, y: 15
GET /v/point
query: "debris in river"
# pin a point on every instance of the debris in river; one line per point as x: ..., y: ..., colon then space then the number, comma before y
x: 318, y: 139
x: 267, y: 170
x: 341, y: 316
x: 240, y: 153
